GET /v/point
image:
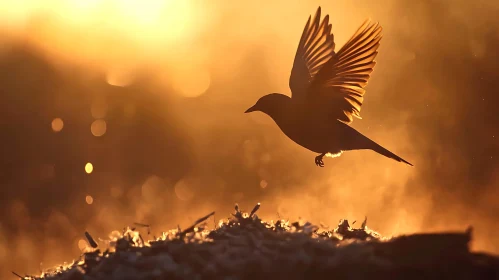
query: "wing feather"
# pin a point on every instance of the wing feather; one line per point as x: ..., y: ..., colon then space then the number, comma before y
x: 339, y: 84
x: 315, y: 49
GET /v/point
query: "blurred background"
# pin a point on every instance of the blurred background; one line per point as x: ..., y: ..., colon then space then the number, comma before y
x: 114, y: 112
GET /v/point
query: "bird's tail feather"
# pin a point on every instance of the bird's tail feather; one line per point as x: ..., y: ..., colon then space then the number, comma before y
x: 379, y: 149
x: 358, y: 141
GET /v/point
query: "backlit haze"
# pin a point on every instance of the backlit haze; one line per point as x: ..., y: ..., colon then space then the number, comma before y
x: 114, y: 112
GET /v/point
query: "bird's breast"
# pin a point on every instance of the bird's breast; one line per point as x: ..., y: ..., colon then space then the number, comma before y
x: 317, y: 135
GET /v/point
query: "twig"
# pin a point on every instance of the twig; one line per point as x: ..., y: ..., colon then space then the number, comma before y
x: 257, y: 206
x: 191, y: 228
x: 91, y: 241
x: 17, y: 275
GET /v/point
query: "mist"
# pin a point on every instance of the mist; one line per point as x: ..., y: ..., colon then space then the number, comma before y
x: 172, y: 87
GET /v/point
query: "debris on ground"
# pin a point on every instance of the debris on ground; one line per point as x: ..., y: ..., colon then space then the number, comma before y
x: 245, y: 247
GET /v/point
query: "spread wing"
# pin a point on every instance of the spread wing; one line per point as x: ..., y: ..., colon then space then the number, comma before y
x: 339, y: 85
x: 316, y: 47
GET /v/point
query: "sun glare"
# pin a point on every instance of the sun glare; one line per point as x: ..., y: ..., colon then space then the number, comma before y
x: 57, y: 124
x: 89, y: 199
x: 89, y: 168
x: 98, y: 128
x: 137, y: 31
x: 157, y: 20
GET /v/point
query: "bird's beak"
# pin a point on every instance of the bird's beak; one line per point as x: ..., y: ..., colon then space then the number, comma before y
x: 251, y: 109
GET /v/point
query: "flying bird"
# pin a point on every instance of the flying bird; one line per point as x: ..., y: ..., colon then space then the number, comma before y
x: 327, y: 91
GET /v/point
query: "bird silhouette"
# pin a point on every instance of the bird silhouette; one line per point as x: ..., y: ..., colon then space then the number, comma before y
x: 327, y: 91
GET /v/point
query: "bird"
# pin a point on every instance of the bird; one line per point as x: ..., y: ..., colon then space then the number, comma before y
x: 327, y: 91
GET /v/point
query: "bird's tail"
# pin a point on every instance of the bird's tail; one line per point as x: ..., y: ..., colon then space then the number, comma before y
x: 377, y: 148
x: 358, y: 141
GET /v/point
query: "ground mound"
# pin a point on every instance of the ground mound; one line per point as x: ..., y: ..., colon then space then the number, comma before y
x: 245, y: 247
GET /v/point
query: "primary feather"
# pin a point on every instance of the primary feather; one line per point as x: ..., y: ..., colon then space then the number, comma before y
x: 316, y: 47
x: 334, y: 82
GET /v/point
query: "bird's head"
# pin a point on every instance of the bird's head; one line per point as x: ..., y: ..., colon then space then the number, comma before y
x: 269, y: 103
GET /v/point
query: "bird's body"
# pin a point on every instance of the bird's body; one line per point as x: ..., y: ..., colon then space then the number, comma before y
x: 306, y: 127
x: 327, y: 91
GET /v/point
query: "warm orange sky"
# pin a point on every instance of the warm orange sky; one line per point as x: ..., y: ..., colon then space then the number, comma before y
x: 429, y: 101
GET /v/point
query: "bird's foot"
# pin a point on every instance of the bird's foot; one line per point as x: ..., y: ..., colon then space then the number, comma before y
x: 318, y: 160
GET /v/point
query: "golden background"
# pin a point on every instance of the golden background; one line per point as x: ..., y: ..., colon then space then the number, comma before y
x: 114, y: 112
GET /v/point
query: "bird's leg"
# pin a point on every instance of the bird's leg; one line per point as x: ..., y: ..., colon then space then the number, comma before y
x: 318, y: 160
